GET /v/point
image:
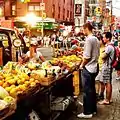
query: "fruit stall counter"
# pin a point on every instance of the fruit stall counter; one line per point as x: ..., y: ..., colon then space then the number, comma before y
x: 48, y: 101
x: 43, y: 100
x: 39, y: 87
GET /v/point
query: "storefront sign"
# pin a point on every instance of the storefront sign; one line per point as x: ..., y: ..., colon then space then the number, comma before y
x: 46, y: 25
x: 42, y: 6
x: 7, y: 23
x: 78, y: 9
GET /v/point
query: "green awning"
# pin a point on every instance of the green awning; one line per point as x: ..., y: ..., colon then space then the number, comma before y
x: 46, y: 25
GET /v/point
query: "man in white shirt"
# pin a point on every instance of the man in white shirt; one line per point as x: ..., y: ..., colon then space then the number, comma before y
x: 89, y: 69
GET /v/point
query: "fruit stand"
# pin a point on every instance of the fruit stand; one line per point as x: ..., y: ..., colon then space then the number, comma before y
x: 38, y: 86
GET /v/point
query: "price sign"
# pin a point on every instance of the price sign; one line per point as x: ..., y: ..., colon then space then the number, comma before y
x: 42, y: 6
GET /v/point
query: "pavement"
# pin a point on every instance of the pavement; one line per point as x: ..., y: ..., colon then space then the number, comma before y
x: 105, y: 112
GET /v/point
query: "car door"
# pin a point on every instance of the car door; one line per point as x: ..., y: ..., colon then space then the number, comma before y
x: 6, y: 45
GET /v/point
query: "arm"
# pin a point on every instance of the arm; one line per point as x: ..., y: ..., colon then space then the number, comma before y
x: 106, y: 52
x: 104, y: 55
x: 85, y: 61
x: 87, y: 53
x: 42, y: 58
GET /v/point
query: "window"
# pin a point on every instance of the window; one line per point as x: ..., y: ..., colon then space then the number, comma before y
x: 93, y: 10
x: 63, y: 13
x: 53, y: 11
x: 31, y: 8
x: 93, y: 2
x: 59, y: 12
x: 13, y: 8
x: 71, y: 15
x: 67, y: 13
x: 71, y: 2
x: 34, y: 7
x: 37, y: 8
x: 4, y: 42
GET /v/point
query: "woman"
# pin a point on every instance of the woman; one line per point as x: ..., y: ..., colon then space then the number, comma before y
x: 99, y: 80
x: 118, y: 59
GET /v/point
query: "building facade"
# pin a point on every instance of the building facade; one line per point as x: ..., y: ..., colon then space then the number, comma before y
x: 92, y: 4
x: 80, y: 12
x: 61, y: 10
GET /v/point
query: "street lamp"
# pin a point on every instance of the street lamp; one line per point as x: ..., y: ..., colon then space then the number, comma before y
x: 31, y: 19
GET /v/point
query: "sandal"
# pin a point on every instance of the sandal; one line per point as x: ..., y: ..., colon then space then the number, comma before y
x: 111, y: 101
x: 104, y: 102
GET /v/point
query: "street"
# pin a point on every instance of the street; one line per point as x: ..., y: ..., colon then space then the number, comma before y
x: 108, y: 112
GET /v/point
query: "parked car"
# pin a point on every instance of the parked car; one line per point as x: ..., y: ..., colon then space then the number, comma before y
x: 7, y: 37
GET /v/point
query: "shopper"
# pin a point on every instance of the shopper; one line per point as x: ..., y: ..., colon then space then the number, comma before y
x: 89, y: 68
x: 118, y: 62
x: 108, y: 57
x: 99, y: 79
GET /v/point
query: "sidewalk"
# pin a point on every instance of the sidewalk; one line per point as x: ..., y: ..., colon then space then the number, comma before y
x: 105, y: 112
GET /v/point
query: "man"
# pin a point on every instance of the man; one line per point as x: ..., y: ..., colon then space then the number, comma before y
x: 89, y: 68
x: 108, y: 58
x: 35, y: 55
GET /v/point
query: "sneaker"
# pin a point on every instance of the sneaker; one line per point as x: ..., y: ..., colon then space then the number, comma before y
x: 94, y: 113
x: 97, y: 97
x: 117, y: 78
x: 82, y: 115
x: 104, y: 102
x: 101, y: 97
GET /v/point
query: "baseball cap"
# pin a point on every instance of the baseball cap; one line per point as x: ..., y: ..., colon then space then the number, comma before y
x: 34, y: 42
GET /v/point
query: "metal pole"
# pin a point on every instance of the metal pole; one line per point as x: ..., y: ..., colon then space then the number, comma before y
x: 111, y: 16
x: 42, y: 23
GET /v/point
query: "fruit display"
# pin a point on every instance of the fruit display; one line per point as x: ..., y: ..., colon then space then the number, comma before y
x: 15, y: 84
x: 7, y: 103
x: 19, y: 79
x: 66, y: 62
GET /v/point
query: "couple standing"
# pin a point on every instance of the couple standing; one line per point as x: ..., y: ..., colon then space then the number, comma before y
x: 90, y: 69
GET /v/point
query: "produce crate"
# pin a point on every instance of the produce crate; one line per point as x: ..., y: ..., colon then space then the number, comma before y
x: 28, y: 92
x: 46, y: 81
x: 7, y: 111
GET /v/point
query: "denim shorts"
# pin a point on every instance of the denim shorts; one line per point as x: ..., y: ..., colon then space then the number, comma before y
x: 107, y: 74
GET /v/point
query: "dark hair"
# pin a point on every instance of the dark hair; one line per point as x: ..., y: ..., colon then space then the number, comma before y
x: 89, y: 26
x: 108, y: 35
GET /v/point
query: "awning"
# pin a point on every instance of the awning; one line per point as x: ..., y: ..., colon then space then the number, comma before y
x: 39, y: 19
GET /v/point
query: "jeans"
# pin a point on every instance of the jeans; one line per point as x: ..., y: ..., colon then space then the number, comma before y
x: 89, y: 92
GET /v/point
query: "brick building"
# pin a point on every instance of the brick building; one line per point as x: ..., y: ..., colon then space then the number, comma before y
x: 61, y: 10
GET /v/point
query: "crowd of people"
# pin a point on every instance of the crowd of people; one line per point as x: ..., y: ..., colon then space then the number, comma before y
x: 101, y: 58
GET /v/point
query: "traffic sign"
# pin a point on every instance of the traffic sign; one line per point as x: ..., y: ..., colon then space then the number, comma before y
x: 98, y: 10
x: 42, y: 6
x: 43, y: 15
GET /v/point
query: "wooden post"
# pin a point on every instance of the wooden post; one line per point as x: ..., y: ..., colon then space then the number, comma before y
x: 1, y: 56
x: 76, y: 83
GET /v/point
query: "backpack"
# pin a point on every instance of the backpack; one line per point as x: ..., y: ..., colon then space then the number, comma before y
x: 115, y: 59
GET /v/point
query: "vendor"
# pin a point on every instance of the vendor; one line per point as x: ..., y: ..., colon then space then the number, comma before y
x: 34, y: 54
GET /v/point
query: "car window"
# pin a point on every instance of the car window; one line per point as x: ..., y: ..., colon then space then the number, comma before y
x: 4, y: 40
x: 13, y: 35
